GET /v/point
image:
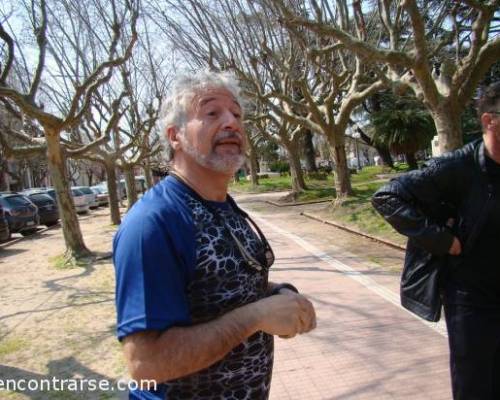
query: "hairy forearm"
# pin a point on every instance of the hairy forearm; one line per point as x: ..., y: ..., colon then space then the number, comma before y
x: 181, y: 351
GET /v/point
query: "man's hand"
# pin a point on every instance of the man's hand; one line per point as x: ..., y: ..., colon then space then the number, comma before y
x: 456, y: 247
x: 286, y: 314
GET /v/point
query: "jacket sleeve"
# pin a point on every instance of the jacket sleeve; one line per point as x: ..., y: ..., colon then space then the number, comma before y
x: 410, y: 203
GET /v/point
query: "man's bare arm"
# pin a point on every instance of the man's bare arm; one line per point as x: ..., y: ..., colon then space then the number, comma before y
x: 180, y: 351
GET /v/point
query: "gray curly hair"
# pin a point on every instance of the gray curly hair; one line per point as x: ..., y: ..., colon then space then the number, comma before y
x: 184, y: 87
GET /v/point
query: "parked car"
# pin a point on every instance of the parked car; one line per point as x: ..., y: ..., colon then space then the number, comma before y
x: 89, y: 195
x: 80, y: 201
x: 4, y: 227
x: 101, y: 195
x: 140, y: 184
x: 120, y: 187
x: 47, y: 208
x: 52, y: 193
x: 20, y: 212
x: 46, y: 190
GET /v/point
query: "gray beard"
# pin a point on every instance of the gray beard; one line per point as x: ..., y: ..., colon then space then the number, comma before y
x: 227, y: 164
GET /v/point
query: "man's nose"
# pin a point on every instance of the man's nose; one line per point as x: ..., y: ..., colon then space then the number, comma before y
x: 230, y: 121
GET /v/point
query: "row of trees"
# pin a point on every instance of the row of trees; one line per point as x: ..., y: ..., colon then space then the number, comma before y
x: 88, y: 82
x: 310, y: 65
x: 86, y: 85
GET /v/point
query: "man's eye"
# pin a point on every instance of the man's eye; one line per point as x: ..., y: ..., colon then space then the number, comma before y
x: 212, y: 113
x: 237, y: 115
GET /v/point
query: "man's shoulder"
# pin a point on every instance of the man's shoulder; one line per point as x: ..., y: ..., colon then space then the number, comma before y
x: 457, y: 161
x: 462, y: 155
x: 164, y: 205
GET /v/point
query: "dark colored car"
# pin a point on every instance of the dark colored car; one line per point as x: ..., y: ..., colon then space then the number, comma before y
x: 47, y: 208
x: 47, y: 190
x: 52, y: 193
x: 20, y: 212
x: 4, y: 227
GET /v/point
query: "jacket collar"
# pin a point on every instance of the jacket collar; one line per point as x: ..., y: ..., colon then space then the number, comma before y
x: 480, y: 160
x: 480, y: 155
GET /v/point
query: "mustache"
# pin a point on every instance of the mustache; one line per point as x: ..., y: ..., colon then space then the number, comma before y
x: 224, y: 135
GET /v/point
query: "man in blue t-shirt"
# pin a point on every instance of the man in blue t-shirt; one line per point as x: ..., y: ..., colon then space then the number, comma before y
x: 196, y: 312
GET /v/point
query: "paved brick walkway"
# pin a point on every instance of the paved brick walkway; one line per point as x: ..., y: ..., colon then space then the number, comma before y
x: 365, y: 346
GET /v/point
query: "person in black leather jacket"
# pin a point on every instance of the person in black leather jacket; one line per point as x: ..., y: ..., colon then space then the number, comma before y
x: 450, y: 212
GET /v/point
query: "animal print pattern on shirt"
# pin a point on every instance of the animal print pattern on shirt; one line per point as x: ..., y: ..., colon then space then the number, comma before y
x: 221, y: 282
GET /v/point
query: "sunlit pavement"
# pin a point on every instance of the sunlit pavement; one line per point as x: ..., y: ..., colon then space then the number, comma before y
x: 365, y: 345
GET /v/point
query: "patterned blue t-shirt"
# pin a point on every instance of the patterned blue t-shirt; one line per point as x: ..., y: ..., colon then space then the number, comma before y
x: 177, y: 265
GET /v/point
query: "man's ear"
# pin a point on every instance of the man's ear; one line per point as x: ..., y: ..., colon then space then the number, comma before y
x: 173, y: 137
x: 485, y: 121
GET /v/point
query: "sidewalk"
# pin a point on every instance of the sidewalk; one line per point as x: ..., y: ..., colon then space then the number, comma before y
x: 365, y: 346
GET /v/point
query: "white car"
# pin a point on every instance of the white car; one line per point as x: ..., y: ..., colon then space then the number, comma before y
x: 80, y: 201
x: 89, y: 195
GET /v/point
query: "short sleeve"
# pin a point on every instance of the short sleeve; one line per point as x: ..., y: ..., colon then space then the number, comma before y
x: 151, y: 276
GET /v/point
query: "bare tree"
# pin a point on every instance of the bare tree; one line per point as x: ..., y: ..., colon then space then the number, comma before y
x: 62, y: 31
x: 288, y: 136
x: 317, y: 89
x: 128, y: 112
x: 439, y: 49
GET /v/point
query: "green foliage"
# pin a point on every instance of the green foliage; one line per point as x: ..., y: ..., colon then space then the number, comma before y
x: 402, y: 124
x: 319, y: 176
x: 280, y: 166
x: 267, y: 150
x: 471, y: 126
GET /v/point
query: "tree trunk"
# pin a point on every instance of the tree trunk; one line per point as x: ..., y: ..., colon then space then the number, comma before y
x: 382, y: 151
x: 114, y: 207
x: 343, y: 186
x: 148, y: 175
x: 253, y: 166
x: 75, y: 246
x: 411, y: 160
x: 309, y: 153
x: 298, y: 182
x: 385, y: 156
x: 130, y: 186
x: 448, y: 129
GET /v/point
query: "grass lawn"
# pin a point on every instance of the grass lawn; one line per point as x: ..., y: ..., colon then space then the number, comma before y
x: 317, y: 189
x: 355, y: 212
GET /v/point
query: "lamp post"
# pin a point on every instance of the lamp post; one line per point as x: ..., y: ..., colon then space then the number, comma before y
x: 354, y: 135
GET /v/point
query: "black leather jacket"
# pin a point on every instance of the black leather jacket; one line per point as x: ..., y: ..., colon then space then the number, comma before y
x: 420, y: 205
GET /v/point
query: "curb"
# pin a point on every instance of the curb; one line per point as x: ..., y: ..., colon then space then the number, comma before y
x: 356, y: 232
x: 304, y: 203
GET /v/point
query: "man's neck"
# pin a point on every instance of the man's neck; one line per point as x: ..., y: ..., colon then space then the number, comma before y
x: 492, y: 147
x: 209, y: 184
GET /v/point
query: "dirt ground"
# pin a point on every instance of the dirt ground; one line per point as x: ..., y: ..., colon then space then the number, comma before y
x: 58, y: 322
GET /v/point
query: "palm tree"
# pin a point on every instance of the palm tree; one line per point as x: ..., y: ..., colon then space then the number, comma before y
x: 404, y: 126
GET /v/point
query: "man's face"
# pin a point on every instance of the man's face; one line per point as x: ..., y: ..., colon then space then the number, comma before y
x: 214, y: 135
x: 491, y: 123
